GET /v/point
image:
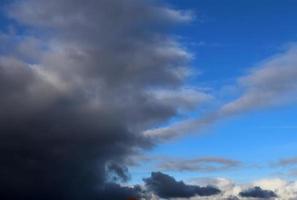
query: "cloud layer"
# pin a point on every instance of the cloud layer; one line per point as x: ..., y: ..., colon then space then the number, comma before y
x: 266, y: 189
x: 167, y: 187
x: 204, y: 164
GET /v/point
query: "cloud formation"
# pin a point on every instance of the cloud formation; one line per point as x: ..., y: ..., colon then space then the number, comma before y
x: 258, y: 192
x: 206, y: 164
x: 166, y: 186
x: 74, y: 94
x: 287, y: 162
x: 271, y: 83
x: 230, y: 189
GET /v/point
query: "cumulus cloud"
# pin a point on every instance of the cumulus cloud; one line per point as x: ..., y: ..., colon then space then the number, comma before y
x: 271, y: 188
x: 74, y: 94
x: 166, y: 186
x: 258, y: 192
x: 163, y: 186
x: 230, y: 189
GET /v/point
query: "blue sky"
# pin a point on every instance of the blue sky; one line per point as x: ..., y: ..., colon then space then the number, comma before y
x: 228, y: 38
x: 238, y: 34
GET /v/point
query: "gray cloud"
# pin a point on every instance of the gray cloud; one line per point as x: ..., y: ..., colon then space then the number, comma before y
x: 207, y: 164
x: 272, y: 83
x: 187, y: 99
x: 285, y: 190
x: 182, y: 127
x: 166, y: 186
x: 74, y: 94
x: 258, y: 192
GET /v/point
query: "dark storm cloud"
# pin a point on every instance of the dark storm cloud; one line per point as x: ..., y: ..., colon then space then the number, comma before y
x: 118, y: 171
x: 166, y: 186
x: 258, y: 192
x: 73, y: 104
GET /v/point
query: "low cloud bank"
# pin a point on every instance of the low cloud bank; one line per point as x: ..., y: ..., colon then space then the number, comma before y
x: 166, y: 186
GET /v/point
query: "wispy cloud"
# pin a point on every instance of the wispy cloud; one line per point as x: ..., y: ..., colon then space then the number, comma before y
x: 287, y: 162
x: 204, y: 164
x: 271, y: 83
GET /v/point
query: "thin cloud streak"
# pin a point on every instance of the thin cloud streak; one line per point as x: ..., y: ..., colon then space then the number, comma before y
x: 204, y: 164
x: 272, y: 83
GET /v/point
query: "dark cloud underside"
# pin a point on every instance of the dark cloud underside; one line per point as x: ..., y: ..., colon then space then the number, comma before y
x: 166, y: 186
x: 258, y: 192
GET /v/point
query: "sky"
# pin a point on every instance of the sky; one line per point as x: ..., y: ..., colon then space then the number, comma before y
x: 229, y: 39
x: 162, y: 99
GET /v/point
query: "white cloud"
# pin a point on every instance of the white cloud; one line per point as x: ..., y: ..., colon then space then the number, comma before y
x: 178, y: 15
x: 286, y: 190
